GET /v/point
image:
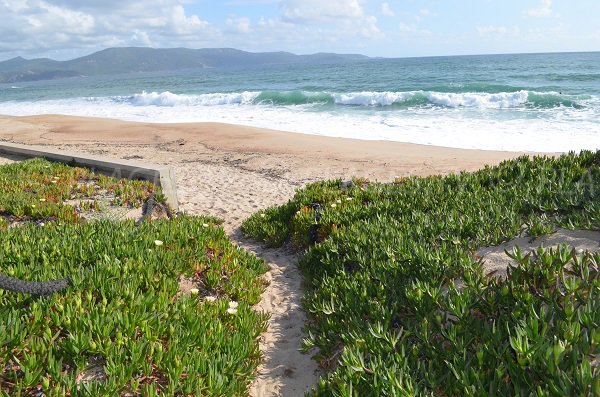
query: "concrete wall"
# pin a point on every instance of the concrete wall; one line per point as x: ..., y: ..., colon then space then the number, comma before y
x: 162, y: 176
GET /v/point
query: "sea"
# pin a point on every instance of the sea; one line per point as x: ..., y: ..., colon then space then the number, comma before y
x: 520, y: 102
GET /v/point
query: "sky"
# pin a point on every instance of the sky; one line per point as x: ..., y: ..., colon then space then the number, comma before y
x: 66, y: 29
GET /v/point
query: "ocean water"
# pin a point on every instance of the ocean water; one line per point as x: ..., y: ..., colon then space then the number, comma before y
x: 531, y: 102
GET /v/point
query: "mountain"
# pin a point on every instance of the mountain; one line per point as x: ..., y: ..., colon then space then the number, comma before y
x: 139, y: 59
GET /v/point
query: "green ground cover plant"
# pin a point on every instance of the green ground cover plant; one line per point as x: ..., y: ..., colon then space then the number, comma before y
x: 38, y: 189
x: 124, y: 327
x: 399, y: 303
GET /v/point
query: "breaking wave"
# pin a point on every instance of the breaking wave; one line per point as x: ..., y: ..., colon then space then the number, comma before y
x: 407, y: 99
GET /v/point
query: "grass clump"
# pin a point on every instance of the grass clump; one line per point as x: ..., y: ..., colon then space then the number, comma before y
x: 400, y: 305
x: 124, y: 327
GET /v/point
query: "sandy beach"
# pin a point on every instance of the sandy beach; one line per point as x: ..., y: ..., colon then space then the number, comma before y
x: 232, y: 171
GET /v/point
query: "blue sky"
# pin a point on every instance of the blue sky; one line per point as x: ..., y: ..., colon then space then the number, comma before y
x: 64, y: 29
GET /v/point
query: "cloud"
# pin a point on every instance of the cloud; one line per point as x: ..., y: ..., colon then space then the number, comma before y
x: 422, y: 14
x: 543, y: 9
x: 239, y: 24
x: 498, y: 30
x: 139, y: 38
x: 345, y: 18
x: 38, y: 26
x: 317, y: 10
x: 368, y: 29
x: 386, y: 10
x: 408, y: 31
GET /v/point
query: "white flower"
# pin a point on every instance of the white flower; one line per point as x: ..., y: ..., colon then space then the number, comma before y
x: 56, y: 177
x: 210, y: 298
x: 333, y: 205
x: 158, y: 242
x: 348, y: 198
x: 233, y: 305
x: 262, y: 215
x: 205, y: 224
x: 339, y: 201
x: 32, y: 205
x: 42, y: 199
x: 52, y: 181
x: 231, y: 311
x: 194, y: 291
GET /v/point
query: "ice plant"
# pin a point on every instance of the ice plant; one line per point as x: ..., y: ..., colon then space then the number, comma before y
x: 124, y: 311
x: 400, y: 305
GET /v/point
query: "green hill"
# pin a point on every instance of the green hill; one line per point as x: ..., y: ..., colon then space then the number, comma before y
x: 138, y: 59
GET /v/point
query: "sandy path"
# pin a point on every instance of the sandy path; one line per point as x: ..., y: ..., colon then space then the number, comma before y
x: 232, y: 172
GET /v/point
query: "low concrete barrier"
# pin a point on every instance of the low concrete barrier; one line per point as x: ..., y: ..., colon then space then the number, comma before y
x: 160, y: 175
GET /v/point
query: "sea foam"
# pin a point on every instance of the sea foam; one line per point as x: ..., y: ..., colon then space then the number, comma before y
x: 169, y: 99
x: 407, y: 99
x: 519, y: 121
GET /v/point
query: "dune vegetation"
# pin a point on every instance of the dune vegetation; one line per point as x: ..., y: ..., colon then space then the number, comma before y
x: 124, y: 326
x: 400, y: 304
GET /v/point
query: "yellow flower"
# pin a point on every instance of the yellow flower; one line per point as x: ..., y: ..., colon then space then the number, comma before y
x: 42, y: 199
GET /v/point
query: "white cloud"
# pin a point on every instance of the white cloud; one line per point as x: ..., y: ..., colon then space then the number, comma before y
x: 422, y: 14
x: 181, y: 24
x: 498, y: 30
x: 386, y: 10
x: 412, y: 31
x: 140, y: 38
x: 543, y: 9
x: 38, y: 26
x: 368, y: 29
x: 315, y: 10
x: 240, y: 25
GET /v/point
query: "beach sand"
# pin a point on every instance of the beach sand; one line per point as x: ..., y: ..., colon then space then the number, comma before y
x: 233, y: 171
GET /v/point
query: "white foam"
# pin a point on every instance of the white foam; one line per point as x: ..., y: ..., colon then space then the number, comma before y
x: 169, y: 99
x: 370, y: 98
x: 548, y: 130
x: 453, y: 100
x: 479, y: 100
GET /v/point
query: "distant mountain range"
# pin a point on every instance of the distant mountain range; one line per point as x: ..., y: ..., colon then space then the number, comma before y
x: 138, y: 59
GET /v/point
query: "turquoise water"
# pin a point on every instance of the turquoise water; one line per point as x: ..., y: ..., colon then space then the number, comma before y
x: 539, y: 102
